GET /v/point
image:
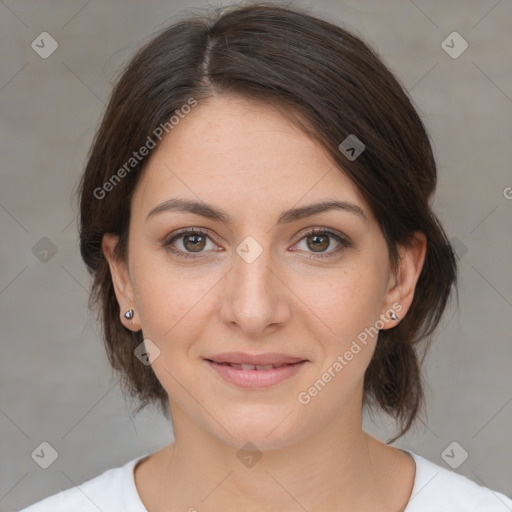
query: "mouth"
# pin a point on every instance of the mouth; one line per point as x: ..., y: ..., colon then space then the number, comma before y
x: 246, y: 373
x: 252, y: 366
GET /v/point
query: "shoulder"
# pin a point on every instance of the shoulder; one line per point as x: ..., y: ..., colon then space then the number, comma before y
x: 437, y: 488
x: 114, y: 489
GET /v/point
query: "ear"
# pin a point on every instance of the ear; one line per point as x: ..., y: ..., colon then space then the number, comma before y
x: 121, y: 281
x: 401, y: 288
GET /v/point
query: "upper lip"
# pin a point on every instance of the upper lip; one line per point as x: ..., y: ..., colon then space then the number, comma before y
x: 255, y: 359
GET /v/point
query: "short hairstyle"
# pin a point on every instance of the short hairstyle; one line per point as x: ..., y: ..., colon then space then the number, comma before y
x: 330, y: 84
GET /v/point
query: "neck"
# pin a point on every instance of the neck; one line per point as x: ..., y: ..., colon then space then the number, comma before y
x: 339, y: 467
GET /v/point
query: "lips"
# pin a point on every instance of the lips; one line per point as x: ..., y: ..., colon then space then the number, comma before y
x: 256, y: 371
x: 251, y: 366
x: 256, y: 360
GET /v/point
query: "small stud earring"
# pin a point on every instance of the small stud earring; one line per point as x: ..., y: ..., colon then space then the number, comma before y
x: 129, y: 314
x: 393, y: 316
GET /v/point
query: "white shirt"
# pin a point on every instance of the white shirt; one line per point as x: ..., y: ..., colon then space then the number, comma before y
x: 436, y: 489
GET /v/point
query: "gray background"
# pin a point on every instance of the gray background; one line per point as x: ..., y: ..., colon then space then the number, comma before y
x: 56, y: 384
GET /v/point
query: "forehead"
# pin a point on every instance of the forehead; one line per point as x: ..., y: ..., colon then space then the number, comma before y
x: 230, y: 150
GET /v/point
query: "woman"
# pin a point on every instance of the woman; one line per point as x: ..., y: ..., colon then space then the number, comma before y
x: 255, y: 214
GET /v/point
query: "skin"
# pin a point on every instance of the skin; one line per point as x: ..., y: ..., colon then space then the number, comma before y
x: 249, y: 160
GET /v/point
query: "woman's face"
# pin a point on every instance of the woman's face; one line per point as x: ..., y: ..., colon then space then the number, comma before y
x: 256, y: 282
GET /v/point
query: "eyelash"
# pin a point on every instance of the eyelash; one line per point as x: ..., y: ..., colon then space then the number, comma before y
x: 344, y: 243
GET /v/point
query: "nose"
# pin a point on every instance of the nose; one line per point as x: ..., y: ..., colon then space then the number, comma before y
x: 255, y: 297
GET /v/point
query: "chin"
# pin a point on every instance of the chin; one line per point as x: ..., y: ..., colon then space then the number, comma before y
x: 266, y: 433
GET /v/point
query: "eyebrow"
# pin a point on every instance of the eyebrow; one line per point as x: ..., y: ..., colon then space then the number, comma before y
x: 217, y: 214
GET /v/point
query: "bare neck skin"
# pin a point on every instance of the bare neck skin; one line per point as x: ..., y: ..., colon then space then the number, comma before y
x: 339, y: 467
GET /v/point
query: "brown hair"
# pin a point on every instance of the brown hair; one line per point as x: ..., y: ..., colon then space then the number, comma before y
x: 331, y: 84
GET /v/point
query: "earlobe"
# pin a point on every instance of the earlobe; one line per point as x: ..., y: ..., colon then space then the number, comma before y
x: 121, y: 281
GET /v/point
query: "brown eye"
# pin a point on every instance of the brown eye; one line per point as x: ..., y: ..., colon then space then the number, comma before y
x: 194, y: 242
x: 188, y: 243
x: 318, y: 241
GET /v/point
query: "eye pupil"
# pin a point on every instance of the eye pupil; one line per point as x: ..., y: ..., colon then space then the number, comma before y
x: 196, y: 244
x: 319, y: 245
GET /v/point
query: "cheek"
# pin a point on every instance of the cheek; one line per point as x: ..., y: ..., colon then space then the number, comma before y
x: 347, y: 301
x: 161, y: 297
x: 172, y: 302
x: 349, y: 306
x: 170, y: 310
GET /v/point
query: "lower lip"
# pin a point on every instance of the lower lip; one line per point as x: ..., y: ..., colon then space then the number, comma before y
x: 256, y: 378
